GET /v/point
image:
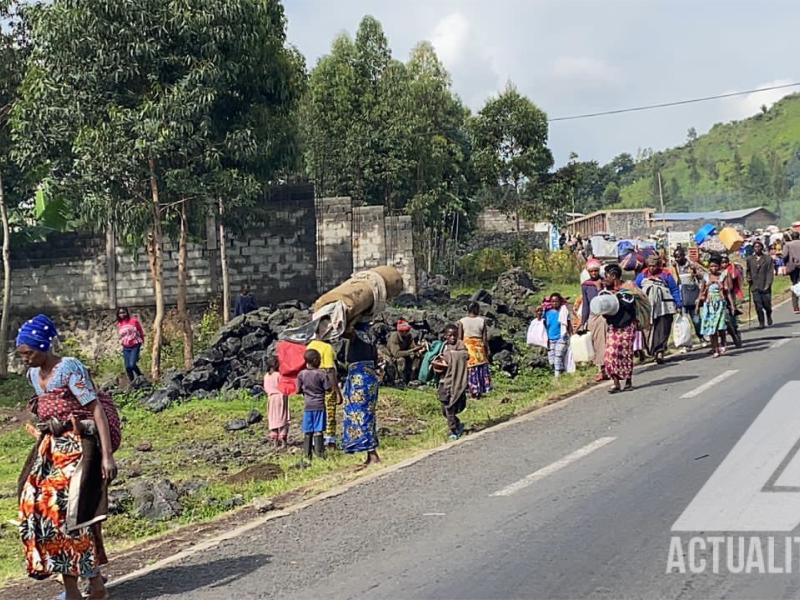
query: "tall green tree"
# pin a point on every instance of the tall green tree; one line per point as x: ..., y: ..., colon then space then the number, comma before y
x: 14, y: 48
x: 439, y: 182
x: 135, y: 108
x: 511, y: 158
x: 355, y: 130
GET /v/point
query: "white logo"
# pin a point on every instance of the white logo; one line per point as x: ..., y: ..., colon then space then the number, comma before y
x: 757, y: 486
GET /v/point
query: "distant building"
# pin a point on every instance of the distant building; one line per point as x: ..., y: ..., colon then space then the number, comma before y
x: 640, y: 222
x: 623, y: 223
x: 746, y: 218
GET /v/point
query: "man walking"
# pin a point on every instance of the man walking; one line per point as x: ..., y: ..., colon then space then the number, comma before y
x: 687, y: 274
x: 791, y: 258
x: 759, y: 276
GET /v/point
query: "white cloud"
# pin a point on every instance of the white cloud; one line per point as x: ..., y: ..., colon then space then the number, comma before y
x: 450, y: 37
x: 584, y: 69
x: 746, y: 106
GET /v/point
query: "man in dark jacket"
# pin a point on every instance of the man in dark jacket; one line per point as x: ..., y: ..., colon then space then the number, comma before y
x: 759, y: 276
x: 245, y: 303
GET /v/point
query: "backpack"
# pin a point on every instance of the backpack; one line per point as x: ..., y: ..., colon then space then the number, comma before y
x: 661, y: 300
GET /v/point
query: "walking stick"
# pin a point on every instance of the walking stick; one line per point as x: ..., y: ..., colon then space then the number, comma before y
x: 749, y: 306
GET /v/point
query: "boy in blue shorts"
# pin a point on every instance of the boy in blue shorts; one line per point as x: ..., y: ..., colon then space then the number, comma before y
x: 313, y: 383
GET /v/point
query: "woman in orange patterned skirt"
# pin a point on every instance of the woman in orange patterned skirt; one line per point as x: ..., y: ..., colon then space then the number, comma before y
x: 59, y: 516
x: 473, y: 332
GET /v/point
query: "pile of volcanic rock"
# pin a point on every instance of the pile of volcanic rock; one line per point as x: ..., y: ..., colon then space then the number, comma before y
x: 237, y: 356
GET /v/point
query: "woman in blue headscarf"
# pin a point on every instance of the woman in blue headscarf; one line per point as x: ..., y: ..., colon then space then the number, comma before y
x: 359, y: 430
x: 61, y: 532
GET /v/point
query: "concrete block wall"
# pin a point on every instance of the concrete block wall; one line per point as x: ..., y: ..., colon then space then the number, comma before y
x: 302, y: 247
x: 334, y: 241
x: 399, y: 232
x: 369, y: 237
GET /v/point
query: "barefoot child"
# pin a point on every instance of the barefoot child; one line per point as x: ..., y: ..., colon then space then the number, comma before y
x: 277, y: 405
x: 314, y: 383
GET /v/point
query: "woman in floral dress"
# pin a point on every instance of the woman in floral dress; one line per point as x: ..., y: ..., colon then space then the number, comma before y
x: 359, y: 430
x: 77, y: 433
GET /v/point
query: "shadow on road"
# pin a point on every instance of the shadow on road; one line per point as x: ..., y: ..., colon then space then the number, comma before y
x: 183, y: 579
x: 666, y: 381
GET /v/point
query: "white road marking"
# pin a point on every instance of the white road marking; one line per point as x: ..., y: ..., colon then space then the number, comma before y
x: 709, y: 384
x: 434, y: 514
x: 780, y: 343
x: 552, y: 468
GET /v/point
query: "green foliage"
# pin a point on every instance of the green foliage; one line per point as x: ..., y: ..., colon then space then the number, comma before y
x: 485, y: 265
x: 210, y: 324
x: 511, y: 158
x: 201, y: 96
x: 735, y: 165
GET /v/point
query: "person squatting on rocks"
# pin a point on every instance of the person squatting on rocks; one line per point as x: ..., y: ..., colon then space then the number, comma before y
x: 328, y: 365
x: 760, y: 275
x: 359, y: 427
x: 314, y: 384
x: 131, y: 336
x: 77, y: 431
x: 473, y: 332
x: 451, y: 364
x: 277, y: 406
x: 559, y: 327
x: 404, y: 354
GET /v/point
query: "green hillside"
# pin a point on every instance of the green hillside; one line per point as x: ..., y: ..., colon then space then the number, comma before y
x: 739, y: 164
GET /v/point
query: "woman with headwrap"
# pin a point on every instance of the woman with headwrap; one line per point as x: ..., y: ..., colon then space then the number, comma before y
x: 359, y: 431
x: 618, y: 357
x: 63, y: 486
x: 595, y: 324
x: 664, y: 295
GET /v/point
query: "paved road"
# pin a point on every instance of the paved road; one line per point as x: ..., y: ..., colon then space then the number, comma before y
x: 598, y: 526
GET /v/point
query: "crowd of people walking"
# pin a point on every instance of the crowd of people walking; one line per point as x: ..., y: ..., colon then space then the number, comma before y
x: 63, y: 486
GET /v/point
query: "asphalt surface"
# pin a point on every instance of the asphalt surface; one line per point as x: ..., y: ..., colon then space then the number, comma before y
x: 598, y: 526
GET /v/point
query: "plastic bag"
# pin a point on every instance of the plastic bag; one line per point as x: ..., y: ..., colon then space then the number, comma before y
x: 581, y: 348
x: 796, y: 289
x: 569, y: 362
x: 537, y: 333
x: 682, y: 331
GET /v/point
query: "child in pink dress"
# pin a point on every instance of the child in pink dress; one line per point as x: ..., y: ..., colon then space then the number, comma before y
x: 277, y: 407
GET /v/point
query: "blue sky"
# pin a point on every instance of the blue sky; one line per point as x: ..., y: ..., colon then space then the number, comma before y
x: 577, y: 56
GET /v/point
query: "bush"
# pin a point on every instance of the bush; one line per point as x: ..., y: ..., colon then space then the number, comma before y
x: 484, y: 266
x: 561, y: 266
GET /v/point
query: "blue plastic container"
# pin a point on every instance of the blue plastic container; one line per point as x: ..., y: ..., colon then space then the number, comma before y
x: 704, y: 233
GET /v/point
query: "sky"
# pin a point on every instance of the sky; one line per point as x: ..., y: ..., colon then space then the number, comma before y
x: 578, y: 56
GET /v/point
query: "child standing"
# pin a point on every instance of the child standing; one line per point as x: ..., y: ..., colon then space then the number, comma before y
x: 452, y: 365
x: 328, y: 365
x: 314, y: 384
x: 556, y: 320
x: 277, y: 405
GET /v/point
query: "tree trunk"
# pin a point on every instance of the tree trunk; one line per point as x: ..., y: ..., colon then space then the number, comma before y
x: 6, y: 283
x: 223, y: 261
x: 183, y: 311
x: 156, y: 271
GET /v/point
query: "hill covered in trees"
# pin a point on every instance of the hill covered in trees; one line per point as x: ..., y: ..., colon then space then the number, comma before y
x: 752, y: 162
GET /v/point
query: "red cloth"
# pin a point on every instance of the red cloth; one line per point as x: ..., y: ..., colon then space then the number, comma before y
x: 290, y: 362
x: 61, y: 404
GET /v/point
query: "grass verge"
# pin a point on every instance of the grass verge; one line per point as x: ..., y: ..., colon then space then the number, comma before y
x: 224, y: 470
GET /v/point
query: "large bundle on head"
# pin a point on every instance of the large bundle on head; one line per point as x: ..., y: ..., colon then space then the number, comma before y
x: 365, y: 293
